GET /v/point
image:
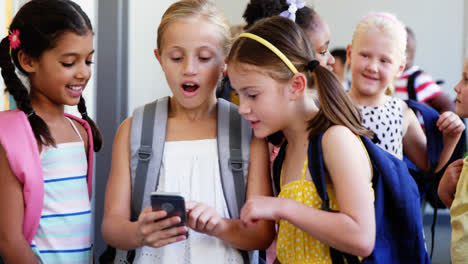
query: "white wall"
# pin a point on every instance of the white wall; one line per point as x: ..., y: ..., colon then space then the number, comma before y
x: 233, y: 9
x: 146, y: 81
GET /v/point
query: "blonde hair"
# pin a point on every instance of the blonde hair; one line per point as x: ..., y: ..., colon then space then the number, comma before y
x: 236, y: 30
x: 386, y: 24
x: 199, y: 9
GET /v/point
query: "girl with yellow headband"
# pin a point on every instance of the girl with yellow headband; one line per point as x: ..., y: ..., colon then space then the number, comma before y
x: 281, y: 86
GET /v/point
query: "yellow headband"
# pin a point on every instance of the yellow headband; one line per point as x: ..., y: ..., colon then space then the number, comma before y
x: 272, y: 48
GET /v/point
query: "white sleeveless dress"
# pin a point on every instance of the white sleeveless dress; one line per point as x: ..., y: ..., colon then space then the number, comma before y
x: 191, y: 168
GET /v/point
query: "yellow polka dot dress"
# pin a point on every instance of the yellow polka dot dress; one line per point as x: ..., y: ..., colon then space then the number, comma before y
x: 295, y: 246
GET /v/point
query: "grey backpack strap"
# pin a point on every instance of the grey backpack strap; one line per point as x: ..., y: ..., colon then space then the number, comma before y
x: 224, y: 150
x: 235, y: 149
x: 160, y: 128
x: 236, y: 163
x: 232, y: 164
x: 150, y: 152
x: 145, y: 153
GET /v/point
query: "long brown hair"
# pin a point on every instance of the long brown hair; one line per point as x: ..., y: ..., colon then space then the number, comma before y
x: 41, y: 23
x: 336, y: 108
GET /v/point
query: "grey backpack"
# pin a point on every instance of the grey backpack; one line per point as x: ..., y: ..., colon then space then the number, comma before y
x: 147, y: 138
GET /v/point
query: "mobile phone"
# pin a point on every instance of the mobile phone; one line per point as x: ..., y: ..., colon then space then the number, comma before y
x: 172, y: 203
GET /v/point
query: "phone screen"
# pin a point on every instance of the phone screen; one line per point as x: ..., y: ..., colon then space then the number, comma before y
x: 173, y: 204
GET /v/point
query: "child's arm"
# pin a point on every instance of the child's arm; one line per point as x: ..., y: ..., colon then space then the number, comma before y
x: 117, y: 229
x: 352, y: 229
x: 414, y: 140
x: 448, y: 182
x: 452, y: 127
x: 415, y: 143
x: 13, y: 246
x: 259, y: 236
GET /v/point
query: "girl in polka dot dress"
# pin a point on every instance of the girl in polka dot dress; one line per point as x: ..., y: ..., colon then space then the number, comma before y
x: 280, y: 85
x: 377, y: 56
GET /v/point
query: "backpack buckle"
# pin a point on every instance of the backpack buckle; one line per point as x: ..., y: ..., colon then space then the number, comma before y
x: 236, y: 164
x: 145, y: 153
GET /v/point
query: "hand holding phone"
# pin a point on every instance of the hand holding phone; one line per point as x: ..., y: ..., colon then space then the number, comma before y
x: 153, y: 231
x: 172, y: 203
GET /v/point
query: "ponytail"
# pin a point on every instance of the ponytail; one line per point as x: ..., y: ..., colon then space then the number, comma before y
x: 19, y: 92
x: 97, y: 137
x: 336, y: 108
x: 294, y: 53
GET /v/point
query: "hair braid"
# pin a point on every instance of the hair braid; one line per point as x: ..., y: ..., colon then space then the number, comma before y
x: 97, y: 137
x: 19, y: 92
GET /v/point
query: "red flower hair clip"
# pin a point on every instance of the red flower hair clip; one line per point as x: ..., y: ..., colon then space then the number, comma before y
x: 14, y: 39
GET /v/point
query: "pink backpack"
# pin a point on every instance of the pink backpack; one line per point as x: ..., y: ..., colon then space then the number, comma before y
x: 16, y: 136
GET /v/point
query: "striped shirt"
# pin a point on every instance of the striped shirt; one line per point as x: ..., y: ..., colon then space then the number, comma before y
x: 64, y: 233
x: 426, y: 88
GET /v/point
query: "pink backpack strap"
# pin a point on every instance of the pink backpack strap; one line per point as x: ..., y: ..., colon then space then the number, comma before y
x: 16, y: 135
x: 90, y: 151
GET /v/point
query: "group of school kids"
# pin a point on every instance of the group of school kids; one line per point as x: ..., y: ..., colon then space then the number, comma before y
x: 300, y: 171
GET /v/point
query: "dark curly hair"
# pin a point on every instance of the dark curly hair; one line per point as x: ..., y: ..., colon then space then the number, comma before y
x: 259, y: 9
x: 41, y: 23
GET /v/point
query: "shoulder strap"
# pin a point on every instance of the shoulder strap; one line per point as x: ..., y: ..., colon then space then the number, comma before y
x: 230, y: 156
x: 277, y: 164
x: 433, y: 134
x: 151, y: 124
x: 235, y: 150
x: 16, y: 136
x: 232, y: 165
x: 145, y: 153
x: 411, y: 85
x: 90, y: 151
x: 316, y: 169
x: 314, y: 154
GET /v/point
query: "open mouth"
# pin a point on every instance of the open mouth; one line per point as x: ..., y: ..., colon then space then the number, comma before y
x: 254, y: 124
x: 190, y: 87
x: 75, y: 90
x: 75, y: 87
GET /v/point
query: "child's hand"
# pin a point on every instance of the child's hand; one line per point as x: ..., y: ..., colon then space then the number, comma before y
x: 259, y: 208
x: 151, y: 231
x: 203, y: 218
x: 448, y: 182
x: 450, y: 124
